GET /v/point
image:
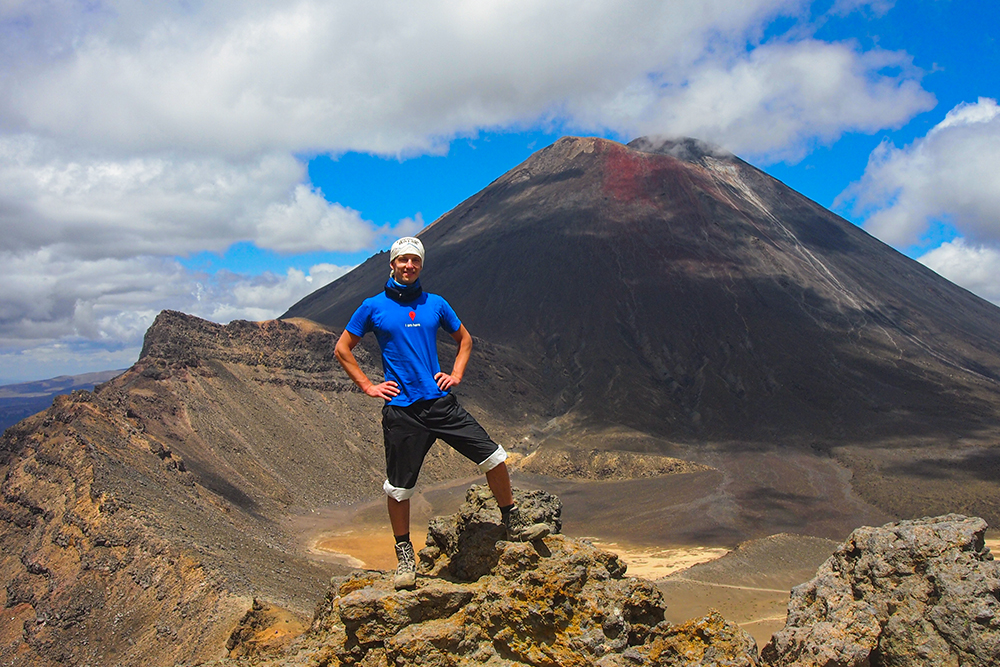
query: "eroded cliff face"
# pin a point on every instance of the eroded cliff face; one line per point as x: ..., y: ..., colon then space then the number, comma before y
x: 86, y: 581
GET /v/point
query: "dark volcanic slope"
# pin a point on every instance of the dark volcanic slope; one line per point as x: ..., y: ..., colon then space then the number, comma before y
x: 686, y: 294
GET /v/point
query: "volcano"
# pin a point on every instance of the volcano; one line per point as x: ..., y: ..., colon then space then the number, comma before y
x: 673, y: 289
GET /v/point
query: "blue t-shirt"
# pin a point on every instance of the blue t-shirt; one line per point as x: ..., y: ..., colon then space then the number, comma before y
x: 407, y: 334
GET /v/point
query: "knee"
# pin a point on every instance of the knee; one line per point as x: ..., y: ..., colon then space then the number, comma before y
x: 495, y: 459
x: 396, y: 493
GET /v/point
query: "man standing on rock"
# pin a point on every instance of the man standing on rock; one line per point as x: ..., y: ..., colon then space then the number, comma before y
x: 419, y: 407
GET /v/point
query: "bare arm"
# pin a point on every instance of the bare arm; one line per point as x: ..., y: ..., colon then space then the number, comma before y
x: 348, y: 341
x: 464, y: 340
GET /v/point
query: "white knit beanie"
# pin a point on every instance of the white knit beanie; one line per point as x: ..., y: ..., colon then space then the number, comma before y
x: 408, y: 245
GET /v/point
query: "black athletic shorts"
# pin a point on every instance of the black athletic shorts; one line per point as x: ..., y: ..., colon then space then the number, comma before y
x: 410, y: 431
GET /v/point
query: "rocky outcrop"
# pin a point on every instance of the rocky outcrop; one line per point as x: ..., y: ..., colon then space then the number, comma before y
x: 923, y: 592
x: 462, y: 545
x: 557, y: 601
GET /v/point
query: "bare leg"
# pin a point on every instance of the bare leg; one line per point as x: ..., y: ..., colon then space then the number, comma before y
x: 499, y: 480
x: 399, y: 514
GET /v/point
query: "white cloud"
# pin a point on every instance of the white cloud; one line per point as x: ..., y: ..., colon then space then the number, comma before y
x: 950, y: 175
x: 781, y: 98
x: 309, y: 222
x: 394, y: 78
x: 976, y: 268
x: 265, y: 296
x: 164, y: 204
x: 49, y: 297
x: 117, y: 299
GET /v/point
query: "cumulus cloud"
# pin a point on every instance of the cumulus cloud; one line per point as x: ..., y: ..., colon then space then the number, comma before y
x: 974, y: 267
x: 52, y: 297
x: 165, y: 204
x: 949, y: 175
x: 781, y: 98
x: 54, y: 308
x: 230, y: 296
x: 87, y: 254
x: 309, y: 222
x: 397, y: 78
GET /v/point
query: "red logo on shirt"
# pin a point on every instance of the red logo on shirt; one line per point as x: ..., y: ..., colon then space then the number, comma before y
x: 413, y: 315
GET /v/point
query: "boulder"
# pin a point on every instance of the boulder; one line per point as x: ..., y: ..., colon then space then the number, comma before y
x: 923, y: 592
x: 462, y: 544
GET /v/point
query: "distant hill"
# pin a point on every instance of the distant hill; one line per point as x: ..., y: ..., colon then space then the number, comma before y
x: 24, y: 399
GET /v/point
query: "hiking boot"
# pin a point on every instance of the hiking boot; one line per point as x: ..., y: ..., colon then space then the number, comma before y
x: 406, y: 571
x: 519, y: 530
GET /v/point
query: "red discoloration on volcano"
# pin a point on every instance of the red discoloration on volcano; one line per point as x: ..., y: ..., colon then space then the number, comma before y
x: 626, y: 174
x: 633, y: 176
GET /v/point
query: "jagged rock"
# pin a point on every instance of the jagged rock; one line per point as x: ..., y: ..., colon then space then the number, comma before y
x: 923, y: 592
x: 264, y: 629
x: 553, y: 602
x: 558, y: 601
x: 702, y: 642
x: 462, y: 544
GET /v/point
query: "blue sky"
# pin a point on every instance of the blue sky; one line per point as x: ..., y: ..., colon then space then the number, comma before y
x: 227, y: 158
